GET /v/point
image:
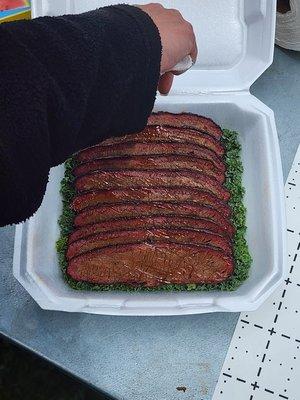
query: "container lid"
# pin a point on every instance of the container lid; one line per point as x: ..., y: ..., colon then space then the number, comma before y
x: 235, y: 39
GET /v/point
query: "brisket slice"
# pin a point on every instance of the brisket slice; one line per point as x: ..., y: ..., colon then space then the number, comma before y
x: 186, y: 120
x: 171, y: 194
x: 161, y: 161
x: 172, y: 134
x: 149, y: 236
x: 152, y: 265
x: 144, y: 148
x: 148, y: 222
x: 132, y: 178
x: 107, y: 212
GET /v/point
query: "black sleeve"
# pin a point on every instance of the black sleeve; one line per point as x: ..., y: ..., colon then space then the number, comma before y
x: 66, y: 83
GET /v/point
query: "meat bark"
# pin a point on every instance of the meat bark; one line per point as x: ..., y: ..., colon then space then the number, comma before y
x: 186, y: 120
x: 173, y: 134
x: 169, y: 194
x: 144, y: 148
x: 107, y: 212
x: 154, y: 235
x: 144, y: 178
x: 148, y: 222
x: 161, y: 161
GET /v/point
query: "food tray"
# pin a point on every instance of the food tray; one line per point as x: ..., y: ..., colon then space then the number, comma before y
x: 217, y: 87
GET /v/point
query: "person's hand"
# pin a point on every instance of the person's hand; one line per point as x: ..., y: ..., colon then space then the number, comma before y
x: 177, y: 38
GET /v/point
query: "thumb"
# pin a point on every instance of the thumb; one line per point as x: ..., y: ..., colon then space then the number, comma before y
x: 165, y: 83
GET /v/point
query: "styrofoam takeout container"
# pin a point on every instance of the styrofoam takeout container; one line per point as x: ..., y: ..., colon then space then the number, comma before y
x: 235, y: 40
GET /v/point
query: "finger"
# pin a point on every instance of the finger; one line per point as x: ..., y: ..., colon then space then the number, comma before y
x: 165, y: 83
x: 194, y: 48
x: 194, y: 52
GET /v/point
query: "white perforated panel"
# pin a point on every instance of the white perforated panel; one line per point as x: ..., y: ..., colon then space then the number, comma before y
x: 263, y: 360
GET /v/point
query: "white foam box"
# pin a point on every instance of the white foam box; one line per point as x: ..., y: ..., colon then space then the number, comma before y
x: 235, y: 40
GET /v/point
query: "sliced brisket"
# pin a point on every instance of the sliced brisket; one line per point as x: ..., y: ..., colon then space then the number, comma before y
x: 186, y: 120
x: 152, y: 236
x: 145, y: 222
x: 176, y: 162
x: 132, y: 178
x: 107, y: 212
x: 160, y: 193
x: 144, y: 148
x: 172, y: 134
x: 150, y: 207
x: 152, y: 265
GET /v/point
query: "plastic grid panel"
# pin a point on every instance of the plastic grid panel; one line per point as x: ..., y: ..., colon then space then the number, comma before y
x: 263, y: 360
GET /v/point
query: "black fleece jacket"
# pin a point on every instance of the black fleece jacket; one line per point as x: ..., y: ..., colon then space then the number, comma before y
x: 67, y: 83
